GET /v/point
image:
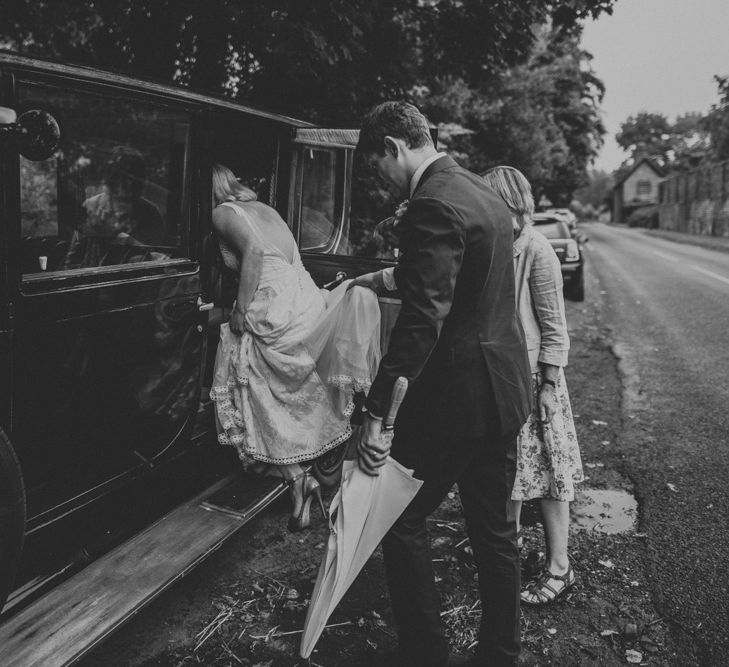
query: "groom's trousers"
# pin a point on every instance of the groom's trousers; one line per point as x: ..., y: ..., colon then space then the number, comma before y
x: 484, y: 469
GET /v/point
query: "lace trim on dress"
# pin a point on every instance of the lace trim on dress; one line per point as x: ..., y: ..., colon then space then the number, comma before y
x: 233, y: 433
x: 246, y: 454
x: 348, y: 383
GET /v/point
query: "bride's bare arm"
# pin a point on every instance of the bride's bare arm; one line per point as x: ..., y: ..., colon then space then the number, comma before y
x: 237, y: 235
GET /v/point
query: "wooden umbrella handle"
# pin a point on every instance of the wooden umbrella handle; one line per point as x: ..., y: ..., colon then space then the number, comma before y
x: 398, y: 393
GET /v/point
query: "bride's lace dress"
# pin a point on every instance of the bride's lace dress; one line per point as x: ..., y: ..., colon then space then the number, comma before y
x: 283, y: 390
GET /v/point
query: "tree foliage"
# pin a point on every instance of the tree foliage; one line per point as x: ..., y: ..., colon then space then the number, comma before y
x: 327, y: 59
x: 541, y: 116
x: 716, y: 122
x: 597, y: 192
x: 681, y: 144
x: 505, y: 88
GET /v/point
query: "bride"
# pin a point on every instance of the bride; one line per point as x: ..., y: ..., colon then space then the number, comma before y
x: 291, y: 356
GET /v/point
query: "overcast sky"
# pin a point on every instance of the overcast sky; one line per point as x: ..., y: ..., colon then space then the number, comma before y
x: 659, y: 56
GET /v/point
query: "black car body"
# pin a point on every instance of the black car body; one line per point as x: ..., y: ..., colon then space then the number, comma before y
x: 566, y: 245
x: 105, y: 367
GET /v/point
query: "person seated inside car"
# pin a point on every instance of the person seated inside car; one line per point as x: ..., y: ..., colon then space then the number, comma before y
x: 118, y: 221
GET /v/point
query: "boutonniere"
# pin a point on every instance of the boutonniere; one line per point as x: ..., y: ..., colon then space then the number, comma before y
x: 387, y: 235
x: 400, y: 211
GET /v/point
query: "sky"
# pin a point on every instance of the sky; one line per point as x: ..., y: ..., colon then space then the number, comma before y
x: 658, y: 56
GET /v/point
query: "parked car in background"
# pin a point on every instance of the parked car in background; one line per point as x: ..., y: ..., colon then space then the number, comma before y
x: 569, y: 217
x: 567, y: 247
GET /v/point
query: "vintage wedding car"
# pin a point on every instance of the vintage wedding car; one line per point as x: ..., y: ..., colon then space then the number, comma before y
x: 111, y: 482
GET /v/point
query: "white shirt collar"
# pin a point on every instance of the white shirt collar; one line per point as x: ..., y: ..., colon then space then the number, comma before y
x: 419, y: 171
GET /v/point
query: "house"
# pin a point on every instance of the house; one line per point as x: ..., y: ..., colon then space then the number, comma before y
x: 636, y: 187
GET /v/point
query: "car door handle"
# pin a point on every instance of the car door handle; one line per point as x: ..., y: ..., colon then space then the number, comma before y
x: 338, y: 280
x: 202, y: 306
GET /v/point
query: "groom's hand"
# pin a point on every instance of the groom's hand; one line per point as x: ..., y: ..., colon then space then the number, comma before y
x: 374, y: 447
x: 372, y: 281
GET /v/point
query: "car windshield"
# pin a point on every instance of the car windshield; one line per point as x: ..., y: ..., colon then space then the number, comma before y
x: 552, y: 229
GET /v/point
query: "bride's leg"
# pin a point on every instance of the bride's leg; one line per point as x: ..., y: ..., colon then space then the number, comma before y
x: 291, y: 472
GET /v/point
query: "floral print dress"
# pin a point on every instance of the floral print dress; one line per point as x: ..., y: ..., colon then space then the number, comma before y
x: 548, y: 457
x: 548, y: 462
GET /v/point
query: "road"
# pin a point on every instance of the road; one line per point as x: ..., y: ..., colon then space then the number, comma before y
x: 667, y: 305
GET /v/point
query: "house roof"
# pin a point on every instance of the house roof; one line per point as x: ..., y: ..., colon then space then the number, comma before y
x: 658, y: 171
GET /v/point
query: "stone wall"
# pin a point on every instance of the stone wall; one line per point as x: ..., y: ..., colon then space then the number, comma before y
x: 697, y: 201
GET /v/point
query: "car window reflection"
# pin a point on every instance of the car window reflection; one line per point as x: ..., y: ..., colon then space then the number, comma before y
x: 115, y: 192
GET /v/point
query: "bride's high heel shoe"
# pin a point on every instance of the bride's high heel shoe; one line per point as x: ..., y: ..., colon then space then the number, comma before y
x: 309, y: 488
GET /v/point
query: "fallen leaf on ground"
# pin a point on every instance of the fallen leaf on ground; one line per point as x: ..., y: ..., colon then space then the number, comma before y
x: 440, y: 542
x: 633, y: 657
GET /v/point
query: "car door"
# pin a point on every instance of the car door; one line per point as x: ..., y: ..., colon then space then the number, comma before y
x: 106, y: 330
x: 337, y: 207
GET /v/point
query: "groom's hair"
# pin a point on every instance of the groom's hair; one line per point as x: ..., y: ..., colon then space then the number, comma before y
x: 393, y: 119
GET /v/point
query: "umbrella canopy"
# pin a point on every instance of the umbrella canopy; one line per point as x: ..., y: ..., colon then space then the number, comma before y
x: 363, y: 510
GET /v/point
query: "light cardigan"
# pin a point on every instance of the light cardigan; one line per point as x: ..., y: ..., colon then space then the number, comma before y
x: 539, y: 301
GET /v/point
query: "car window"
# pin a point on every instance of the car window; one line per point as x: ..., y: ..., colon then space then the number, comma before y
x: 552, y: 230
x: 323, y: 223
x: 332, y: 221
x: 115, y: 192
x: 373, y: 208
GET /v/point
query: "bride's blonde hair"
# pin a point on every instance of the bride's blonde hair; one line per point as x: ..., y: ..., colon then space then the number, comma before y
x: 227, y: 188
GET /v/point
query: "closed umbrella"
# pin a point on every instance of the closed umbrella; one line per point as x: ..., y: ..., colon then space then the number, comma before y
x: 363, y: 510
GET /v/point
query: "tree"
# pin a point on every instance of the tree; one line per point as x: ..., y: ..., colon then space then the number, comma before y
x: 678, y: 145
x: 597, y: 193
x: 324, y: 59
x: 717, y: 121
x: 646, y: 135
x: 541, y: 116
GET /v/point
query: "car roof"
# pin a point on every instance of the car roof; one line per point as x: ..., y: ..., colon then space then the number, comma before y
x: 544, y: 218
x: 11, y: 61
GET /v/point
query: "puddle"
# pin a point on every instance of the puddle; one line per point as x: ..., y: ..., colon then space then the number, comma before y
x: 605, y: 510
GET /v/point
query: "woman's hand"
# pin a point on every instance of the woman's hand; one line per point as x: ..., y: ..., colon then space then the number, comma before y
x: 237, y: 322
x: 548, y: 403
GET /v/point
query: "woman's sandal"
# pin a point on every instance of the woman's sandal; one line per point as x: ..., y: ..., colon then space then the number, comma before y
x: 541, y: 592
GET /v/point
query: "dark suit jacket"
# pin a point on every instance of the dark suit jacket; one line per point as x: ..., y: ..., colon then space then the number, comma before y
x: 457, y: 339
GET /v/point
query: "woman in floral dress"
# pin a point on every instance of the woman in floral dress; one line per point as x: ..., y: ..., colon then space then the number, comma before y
x: 548, y: 456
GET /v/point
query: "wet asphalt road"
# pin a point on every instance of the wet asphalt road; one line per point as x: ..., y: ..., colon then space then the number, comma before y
x: 668, y: 307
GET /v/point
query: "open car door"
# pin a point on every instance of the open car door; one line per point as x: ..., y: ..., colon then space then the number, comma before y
x: 335, y: 206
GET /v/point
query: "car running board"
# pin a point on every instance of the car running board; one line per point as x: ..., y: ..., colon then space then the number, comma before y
x: 76, y: 616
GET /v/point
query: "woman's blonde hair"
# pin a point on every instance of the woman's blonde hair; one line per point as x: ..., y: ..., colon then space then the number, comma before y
x: 227, y: 188
x: 514, y: 189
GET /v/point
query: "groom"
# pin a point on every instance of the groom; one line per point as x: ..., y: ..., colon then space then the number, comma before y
x: 459, y: 343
